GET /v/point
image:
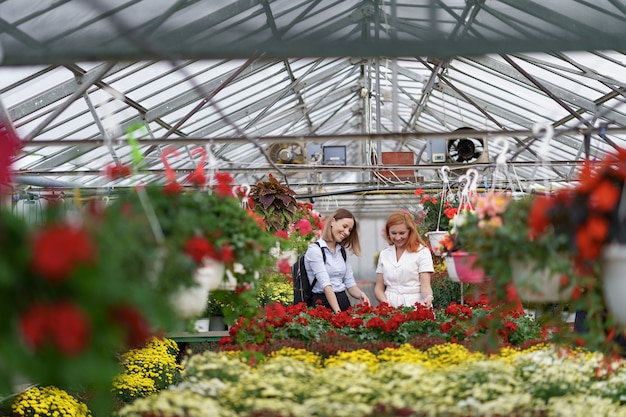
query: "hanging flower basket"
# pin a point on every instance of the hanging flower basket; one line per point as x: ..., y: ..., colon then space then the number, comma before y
x: 539, y: 286
x: 435, y: 237
x: 613, y: 280
x: 464, y: 266
x: 452, y: 274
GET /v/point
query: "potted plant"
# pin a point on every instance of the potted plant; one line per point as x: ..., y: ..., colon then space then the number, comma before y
x: 591, y: 217
x: 497, y: 234
x: 274, y: 202
x: 186, y: 231
x: 432, y: 216
x: 72, y: 299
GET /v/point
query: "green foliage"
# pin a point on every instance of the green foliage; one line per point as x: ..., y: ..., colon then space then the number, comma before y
x: 433, y: 212
x: 498, y: 238
x: 181, y: 216
x: 445, y: 291
x: 92, y: 312
x: 275, y: 203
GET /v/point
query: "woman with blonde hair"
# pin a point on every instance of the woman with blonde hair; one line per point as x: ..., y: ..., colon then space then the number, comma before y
x: 405, y: 267
x: 327, y: 262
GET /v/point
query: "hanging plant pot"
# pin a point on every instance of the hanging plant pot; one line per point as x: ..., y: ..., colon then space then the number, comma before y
x: 435, y: 237
x: 614, y: 281
x: 191, y: 302
x: 539, y: 286
x: 451, y: 269
x: 464, y: 266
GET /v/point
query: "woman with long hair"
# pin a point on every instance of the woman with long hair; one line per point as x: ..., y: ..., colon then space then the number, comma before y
x: 404, y: 268
x: 328, y: 261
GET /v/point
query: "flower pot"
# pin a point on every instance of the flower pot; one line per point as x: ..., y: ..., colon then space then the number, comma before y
x: 217, y: 323
x: 538, y: 286
x: 201, y: 325
x: 463, y: 264
x: 435, y: 237
x: 613, y: 280
x: 190, y: 302
x: 451, y: 269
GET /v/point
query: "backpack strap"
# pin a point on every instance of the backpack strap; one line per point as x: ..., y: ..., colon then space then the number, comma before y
x: 323, y: 257
x: 343, y: 253
x: 323, y: 253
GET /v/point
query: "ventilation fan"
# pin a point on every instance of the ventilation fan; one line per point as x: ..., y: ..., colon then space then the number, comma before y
x: 287, y: 153
x: 467, y: 150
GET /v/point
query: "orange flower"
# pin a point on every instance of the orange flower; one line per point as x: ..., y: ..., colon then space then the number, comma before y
x: 604, y: 197
x: 538, y: 219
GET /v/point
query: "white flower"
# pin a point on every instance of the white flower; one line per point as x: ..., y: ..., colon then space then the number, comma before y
x: 238, y: 268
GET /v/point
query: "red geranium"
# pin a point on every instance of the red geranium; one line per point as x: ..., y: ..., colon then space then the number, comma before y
x: 199, y: 248
x: 62, y: 325
x: 58, y: 249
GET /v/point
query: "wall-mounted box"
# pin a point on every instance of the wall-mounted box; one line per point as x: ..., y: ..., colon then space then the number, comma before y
x: 398, y: 158
x: 334, y: 155
x: 437, y: 151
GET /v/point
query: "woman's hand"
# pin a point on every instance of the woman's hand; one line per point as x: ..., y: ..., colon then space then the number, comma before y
x: 364, y: 298
x: 428, y: 301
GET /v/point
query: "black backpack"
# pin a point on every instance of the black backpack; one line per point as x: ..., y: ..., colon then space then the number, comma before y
x: 302, y: 288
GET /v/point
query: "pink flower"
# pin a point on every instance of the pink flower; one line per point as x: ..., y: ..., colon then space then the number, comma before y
x: 283, y: 266
x: 304, y: 226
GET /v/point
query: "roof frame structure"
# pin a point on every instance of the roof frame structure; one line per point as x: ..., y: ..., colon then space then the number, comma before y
x: 375, y: 76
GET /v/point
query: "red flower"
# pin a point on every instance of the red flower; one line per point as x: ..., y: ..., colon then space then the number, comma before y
x: 538, y: 218
x: 450, y: 212
x: 224, y: 185
x: 445, y: 327
x: 69, y: 328
x: 172, y: 188
x: 198, y: 248
x: 59, y: 249
x: 33, y: 326
x: 241, y: 288
x: 589, y: 237
x: 283, y: 266
x: 116, y: 171
x: 419, y: 192
x: 62, y: 325
x: 577, y: 292
x: 375, y: 323
x: 228, y: 253
x: 282, y: 234
x: 134, y: 325
x: 604, y: 197
x: 260, y: 221
x: 9, y: 145
x: 510, y: 326
x: 196, y: 178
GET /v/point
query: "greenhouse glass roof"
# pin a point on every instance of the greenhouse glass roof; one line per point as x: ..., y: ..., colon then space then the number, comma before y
x: 349, y: 97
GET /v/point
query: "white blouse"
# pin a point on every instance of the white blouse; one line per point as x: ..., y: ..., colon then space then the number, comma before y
x: 401, y: 277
